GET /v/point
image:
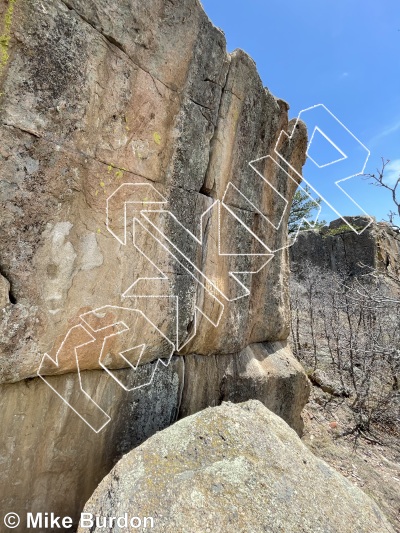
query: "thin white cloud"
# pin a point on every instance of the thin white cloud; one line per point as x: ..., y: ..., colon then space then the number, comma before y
x: 385, y: 132
x: 392, y: 172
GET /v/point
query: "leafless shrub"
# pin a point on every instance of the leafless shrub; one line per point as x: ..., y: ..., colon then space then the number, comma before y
x: 350, y: 327
x: 378, y: 179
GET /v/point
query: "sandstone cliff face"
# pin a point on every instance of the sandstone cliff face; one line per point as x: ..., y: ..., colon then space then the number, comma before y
x: 94, y: 98
x: 112, y: 112
x: 340, y: 249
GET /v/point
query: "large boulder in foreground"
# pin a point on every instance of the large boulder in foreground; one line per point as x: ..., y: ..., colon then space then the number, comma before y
x: 232, y: 468
x: 51, y: 459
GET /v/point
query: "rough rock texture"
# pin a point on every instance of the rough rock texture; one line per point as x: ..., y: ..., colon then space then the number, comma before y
x: 51, y: 460
x: 336, y: 247
x: 319, y: 378
x: 49, y: 457
x: 266, y: 372
x: 97, y: 95
x: 4, y: 292
x: 233, y: 468
x: 106, y: 105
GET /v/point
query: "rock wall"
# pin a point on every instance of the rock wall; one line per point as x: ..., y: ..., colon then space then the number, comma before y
x: 50, y: 460
x: 93, y: 99
x: 125, y: 125
x: 265, y: 371
x: 336, y: 247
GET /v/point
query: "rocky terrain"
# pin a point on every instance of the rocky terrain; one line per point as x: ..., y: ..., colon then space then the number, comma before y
x: 340, y: 281
x: 338, y: 248
x: 123, y: 127
x: 371, y: 463
x: 233, y: 468
x: 144, y: 274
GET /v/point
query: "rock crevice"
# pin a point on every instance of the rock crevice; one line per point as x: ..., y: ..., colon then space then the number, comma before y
x: 121, y: 121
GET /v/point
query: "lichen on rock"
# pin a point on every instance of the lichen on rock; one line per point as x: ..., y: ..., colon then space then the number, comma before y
x: 99, y: 97
x: 6, y: 34
x: 233, y: 468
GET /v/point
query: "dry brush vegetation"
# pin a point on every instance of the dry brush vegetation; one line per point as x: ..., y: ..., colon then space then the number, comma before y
x: 346, y: 333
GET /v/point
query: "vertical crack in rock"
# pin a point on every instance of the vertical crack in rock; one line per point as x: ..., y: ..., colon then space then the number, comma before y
x: 97, y: 96
x: 111, y: 40
x: 182, y: 387
x: 6, y: 293
x: 204, y: 189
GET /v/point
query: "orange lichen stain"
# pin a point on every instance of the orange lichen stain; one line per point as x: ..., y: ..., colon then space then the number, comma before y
x: 157, y: 138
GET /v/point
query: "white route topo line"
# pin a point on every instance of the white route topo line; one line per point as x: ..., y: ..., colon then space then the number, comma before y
x: 145, y: 194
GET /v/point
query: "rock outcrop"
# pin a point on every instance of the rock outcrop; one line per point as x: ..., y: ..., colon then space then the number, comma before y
x: 96, y: 97
x: 266, y: 372
x: 124, y: 127
x: 338, y: 248
x: 50, y: 460
x: 232, y: 468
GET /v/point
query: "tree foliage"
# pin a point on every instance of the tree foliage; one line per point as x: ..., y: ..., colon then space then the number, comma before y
x: 303, y: 208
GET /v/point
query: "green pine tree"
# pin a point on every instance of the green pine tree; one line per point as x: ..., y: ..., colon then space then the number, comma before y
x: 303, y: 207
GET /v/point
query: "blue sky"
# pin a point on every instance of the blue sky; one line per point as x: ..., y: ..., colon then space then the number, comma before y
x: 344, y: 54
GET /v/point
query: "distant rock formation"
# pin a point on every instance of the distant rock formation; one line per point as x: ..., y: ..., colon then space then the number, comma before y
x: 232, y: 468
x: 109, y: 109
x: 338, y: 248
